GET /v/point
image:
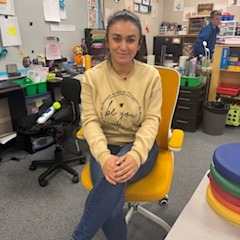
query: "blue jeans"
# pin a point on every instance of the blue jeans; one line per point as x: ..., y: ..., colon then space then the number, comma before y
x: 104, y: 204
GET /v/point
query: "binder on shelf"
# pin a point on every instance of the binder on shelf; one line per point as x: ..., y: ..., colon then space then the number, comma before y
x: 224, y: 58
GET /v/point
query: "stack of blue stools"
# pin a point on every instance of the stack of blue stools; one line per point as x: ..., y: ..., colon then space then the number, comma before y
x: 223, y: 191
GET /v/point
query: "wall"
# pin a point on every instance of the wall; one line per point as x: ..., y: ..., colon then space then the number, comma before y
x: 33, y: 36
x: 33, y: 39
x: 146, y: 19
x: 171, y: 16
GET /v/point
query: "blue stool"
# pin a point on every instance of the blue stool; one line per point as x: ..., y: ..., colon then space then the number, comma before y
x: 226, y: 159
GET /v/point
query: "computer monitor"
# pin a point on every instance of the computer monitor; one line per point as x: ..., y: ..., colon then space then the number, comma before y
x: 171, y: 47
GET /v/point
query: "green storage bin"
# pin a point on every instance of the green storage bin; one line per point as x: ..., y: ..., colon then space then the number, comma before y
x: 191, y: 81
x: 30, y: 87
x: 42, y: 87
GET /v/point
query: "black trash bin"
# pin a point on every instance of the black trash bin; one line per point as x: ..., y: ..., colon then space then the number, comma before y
x: 214, y: 117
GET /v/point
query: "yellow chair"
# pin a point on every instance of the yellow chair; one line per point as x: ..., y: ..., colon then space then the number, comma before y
x: 156, y: 185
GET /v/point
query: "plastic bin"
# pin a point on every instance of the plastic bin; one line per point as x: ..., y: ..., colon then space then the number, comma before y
x: 191, y: 81
x: 31, y: 88
x: 228, y: 89
x: 35, y: 101
x: 214, y: 117
x: 233, y: 116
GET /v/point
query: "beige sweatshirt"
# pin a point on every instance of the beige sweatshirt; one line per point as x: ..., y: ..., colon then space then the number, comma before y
x: 118, y: 111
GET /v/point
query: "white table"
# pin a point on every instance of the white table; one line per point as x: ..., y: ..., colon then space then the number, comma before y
x: 198, y: 221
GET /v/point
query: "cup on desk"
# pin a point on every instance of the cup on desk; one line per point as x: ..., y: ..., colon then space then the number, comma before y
x: 151, y: 60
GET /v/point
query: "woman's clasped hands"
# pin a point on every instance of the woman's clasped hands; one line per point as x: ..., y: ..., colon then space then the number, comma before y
x: 120, y: 169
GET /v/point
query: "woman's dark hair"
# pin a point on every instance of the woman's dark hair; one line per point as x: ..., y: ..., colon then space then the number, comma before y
x: 125, y: 15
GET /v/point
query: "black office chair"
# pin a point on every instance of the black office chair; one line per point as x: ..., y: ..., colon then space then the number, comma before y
x: 63, y: 124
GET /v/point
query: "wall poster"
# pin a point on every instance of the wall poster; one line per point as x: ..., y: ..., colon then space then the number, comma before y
x: 205, y: 9
x: 142, y: 6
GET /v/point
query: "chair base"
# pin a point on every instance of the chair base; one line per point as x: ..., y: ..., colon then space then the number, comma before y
x: 133, y: 208
x: 58, y: 162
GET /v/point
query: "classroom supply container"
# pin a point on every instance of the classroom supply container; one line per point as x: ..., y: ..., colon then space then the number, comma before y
x: 30, y: 87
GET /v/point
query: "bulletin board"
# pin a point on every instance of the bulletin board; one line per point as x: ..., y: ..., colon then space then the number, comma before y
x: 142, y: 6
x: 33, y: 29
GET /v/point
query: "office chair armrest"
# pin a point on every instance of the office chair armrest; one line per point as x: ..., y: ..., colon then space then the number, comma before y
x: 80, y: 134
x: 176, y: 140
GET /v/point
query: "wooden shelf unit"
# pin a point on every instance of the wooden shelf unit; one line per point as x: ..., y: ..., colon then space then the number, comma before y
x: 222, y: 76
x: 196, y: 24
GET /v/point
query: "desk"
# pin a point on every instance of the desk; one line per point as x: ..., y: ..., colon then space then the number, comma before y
x: 198, y: 221
x: 16, y: 101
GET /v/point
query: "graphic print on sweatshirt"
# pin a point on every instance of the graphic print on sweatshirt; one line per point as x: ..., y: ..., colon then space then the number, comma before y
x: 121, y: 110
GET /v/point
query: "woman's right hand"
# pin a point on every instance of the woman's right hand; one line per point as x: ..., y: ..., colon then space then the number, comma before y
x: 109, y: 169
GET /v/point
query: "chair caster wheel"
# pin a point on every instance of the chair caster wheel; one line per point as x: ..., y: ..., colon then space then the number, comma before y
x: 32, y: 167
x: 163, y: 202
x: 83, y: 160
x: 43, y: 182
x: 75, y: 179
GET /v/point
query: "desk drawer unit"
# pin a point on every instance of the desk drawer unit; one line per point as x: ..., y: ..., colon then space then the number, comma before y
x: 192, y: 92
x: 189, y: 109
x: 188, y: 124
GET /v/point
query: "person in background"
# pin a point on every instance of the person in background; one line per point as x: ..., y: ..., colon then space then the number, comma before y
x: 121, y: 111
x: 208, y: 34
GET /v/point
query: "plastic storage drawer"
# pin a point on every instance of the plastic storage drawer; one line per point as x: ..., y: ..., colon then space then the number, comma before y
x: 189, y: 109
x: 191, y: 98
x: 190, y: 91
x: 187, y: 124
x: 34, y: 102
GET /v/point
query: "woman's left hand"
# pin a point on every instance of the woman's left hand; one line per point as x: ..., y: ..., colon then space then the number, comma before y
x: 127, y: 167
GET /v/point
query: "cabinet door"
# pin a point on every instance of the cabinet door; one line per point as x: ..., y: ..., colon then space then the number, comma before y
x: 227, y: 29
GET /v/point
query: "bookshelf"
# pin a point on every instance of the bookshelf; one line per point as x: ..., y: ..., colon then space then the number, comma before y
x: 95, y: 41
x: 223, y: 76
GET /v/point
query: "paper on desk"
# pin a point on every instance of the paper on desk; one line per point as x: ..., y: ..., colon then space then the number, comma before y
x: 4, y: 138
x: 10, y: 31
x: 51, y: 10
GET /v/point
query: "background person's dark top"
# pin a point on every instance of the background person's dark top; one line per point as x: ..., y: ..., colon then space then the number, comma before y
x: 208, y: 34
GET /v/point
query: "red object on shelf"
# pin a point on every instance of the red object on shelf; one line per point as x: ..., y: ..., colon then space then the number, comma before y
x: 228, y: 89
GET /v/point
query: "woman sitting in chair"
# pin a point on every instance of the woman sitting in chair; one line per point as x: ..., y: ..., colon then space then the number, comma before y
x: 121, y: 104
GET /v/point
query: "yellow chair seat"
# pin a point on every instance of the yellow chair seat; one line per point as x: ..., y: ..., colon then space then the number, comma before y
x: 161, y: 176
x: 80, y: 134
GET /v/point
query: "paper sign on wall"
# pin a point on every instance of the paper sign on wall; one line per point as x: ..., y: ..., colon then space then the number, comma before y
x: 7, y: 8
x: 10, y: 31
x: 51, y: 10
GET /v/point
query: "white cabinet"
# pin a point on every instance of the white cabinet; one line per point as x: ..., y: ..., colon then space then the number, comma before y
x: 227, y: 29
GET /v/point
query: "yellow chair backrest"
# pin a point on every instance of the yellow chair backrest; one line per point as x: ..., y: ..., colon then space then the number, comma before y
x: 170, y: 85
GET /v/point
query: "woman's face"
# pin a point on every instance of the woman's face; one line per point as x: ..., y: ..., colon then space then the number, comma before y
x: 123, y: 42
